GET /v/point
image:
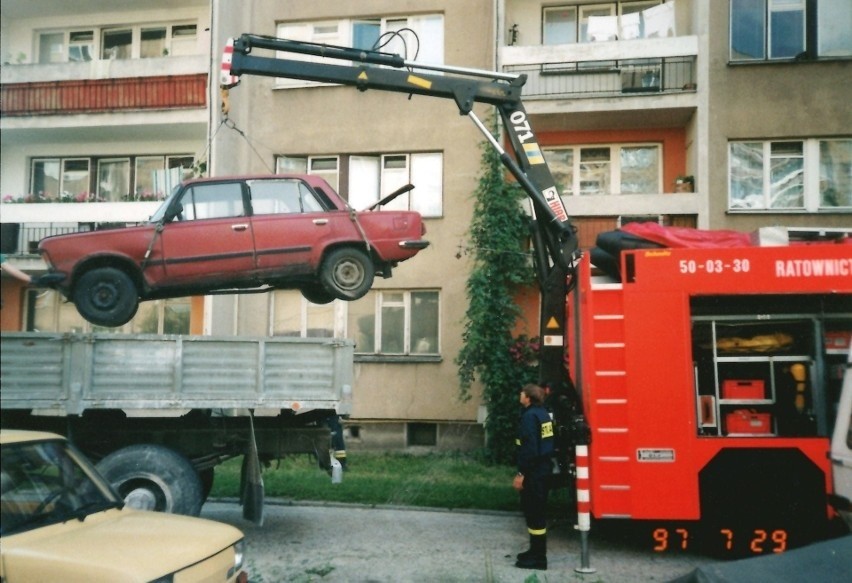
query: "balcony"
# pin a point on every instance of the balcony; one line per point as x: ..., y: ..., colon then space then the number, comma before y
x: 605, y: 69
x: 103, y: 95
x: 24, y: 225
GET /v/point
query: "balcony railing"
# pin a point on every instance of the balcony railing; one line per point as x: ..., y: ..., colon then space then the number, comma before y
x: 27, y: 236
x: 104, y: 95
x: 605, y: 69
x: 608, y: 78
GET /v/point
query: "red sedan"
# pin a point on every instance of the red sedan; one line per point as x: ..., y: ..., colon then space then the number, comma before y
x: 231, y: 234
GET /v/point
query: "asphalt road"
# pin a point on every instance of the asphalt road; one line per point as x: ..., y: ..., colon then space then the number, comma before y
x: 359, y: 544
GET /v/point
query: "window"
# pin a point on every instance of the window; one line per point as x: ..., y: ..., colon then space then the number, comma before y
x: 126, y: 42
x: 606, y: 169
x: 293, y: 315
x: 213, y: 201
x: 419, y: 38
x: 282, y: 197
x: 60, y: 179
x: 70, y: 179
x: 378, y: 176
x: 153, y: 42
x: 117, y: 44
x: 796, y: 175
x: 394, y: 322
x: 113, y: 179
x: 607, y: 21
x: 371, y: 177
x: 789, y: 29
x: 422, y: 434
x: 47, y: 311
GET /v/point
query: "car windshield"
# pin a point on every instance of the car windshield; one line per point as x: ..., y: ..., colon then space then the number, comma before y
x: 47, y: 482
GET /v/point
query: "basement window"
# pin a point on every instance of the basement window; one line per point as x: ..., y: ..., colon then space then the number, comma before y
x: 422, y: 434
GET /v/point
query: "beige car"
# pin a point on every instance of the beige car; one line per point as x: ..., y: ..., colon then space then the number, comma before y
x: 61, y: 521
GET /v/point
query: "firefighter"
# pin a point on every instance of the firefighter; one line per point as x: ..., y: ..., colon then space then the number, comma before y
x: 535, y: 450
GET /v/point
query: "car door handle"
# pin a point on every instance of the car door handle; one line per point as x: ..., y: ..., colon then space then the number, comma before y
x: 239, y: 227
x: 320, y: 221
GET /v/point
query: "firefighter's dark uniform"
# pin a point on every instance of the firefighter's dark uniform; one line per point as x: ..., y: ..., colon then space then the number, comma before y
x: 535, y: 451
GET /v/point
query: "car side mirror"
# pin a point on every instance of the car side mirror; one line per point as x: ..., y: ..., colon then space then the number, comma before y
x: 174, y: 211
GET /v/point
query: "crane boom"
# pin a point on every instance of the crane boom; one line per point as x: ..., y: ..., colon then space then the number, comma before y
x: 554, y: 237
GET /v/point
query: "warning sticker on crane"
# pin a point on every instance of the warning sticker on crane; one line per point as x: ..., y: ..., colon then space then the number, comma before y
x: 551, y: 195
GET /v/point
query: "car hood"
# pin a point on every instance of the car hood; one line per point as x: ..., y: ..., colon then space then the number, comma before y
x: 115, y: 545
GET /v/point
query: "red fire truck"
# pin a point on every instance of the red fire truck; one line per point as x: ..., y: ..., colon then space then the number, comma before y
x: 702, y: 383
x: 710, y: 380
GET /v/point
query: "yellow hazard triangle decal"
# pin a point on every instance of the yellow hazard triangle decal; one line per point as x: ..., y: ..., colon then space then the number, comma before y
x: 552, y: 323
x: 363, y: 76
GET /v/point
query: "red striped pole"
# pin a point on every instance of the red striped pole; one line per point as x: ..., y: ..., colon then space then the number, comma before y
x: 584, y: 507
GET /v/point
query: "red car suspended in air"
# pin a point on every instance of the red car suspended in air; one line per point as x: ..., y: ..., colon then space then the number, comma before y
x: 233, y: 234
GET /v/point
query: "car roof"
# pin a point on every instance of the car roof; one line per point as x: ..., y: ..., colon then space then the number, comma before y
x: 20, y: 436
x: 311, y: 179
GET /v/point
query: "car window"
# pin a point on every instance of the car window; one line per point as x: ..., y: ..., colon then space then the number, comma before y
x: 213, y: 201
x: 282, y: 197
x: 42, y: 484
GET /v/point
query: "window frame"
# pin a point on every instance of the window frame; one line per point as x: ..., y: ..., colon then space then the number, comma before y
x: 344, y: 35
x: 614, y: 162
x: 173, y: 176
x: 816, y: 17
x: 382, y: 181
x: 811, y: 176
x: 96, y: 43
x: 60, y: 316
x: 581, y: 17
x: 408, y: 351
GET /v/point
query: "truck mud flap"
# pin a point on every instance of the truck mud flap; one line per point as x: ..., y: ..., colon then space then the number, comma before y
x: 251, y: 482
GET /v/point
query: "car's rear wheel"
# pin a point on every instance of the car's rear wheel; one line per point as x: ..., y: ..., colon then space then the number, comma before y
x: 316, y: 294
x: 106, y: 296
x: 347, y: 273
x: 153, y: 477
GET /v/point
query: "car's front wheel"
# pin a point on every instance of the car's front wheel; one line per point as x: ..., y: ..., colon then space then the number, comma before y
x: 106, y: 296
x: 347, y: 273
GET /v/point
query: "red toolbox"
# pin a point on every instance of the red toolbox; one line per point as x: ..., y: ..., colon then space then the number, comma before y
x: 743, y: 389
x: 746, y: 421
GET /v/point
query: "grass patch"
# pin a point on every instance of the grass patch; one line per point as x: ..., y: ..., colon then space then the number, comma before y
x: 455, y: 481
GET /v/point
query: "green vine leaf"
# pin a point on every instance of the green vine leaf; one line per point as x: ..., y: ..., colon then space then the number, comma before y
x: 501, y: 264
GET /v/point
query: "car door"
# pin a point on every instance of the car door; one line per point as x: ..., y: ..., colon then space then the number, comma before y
x: 210, y: 242
x: 291, y: 226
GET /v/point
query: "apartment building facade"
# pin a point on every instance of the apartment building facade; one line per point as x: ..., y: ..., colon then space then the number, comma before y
x: 713, y: 114
x: 104, y: 109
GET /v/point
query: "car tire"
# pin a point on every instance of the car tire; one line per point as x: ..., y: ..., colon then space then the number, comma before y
x: 347, y: 273
x: 316, y: 294
x: 154, y: 477
x: 106, y: 296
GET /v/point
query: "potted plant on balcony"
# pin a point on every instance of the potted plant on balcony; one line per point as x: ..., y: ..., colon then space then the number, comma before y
x: 685, y: 184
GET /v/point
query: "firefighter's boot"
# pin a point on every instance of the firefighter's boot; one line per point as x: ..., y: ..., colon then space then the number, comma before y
x: 529, y: 551
x: 536, y: 557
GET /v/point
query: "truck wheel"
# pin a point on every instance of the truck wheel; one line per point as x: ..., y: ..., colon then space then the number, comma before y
x: 347, y: 273
x: 106, y: 296
x: 153, y: 477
